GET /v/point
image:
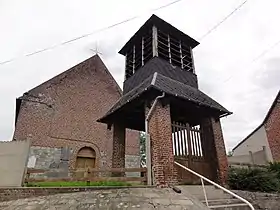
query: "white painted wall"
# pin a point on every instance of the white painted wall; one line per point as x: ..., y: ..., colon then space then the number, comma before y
x: 254, y: 143
x: 13, y: 161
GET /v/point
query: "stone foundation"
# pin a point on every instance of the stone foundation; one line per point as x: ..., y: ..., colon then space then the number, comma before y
x: 57, y: 159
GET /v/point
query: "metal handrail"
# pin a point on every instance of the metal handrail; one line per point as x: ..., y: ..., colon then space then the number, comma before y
x: 215, y: 184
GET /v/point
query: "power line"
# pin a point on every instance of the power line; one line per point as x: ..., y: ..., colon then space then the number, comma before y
x: 89, y: 34
x: 263, y: 53
x: 266, y: 51
x: 223, y: 20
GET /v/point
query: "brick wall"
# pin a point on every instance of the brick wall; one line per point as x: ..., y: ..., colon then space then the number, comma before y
x: 272, y: 127
x: 63, y: 111
x: 161, y: 146
x: 220, y: 151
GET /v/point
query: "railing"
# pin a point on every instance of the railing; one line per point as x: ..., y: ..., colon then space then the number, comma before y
x: 202, y: 178
x: 89, y: 174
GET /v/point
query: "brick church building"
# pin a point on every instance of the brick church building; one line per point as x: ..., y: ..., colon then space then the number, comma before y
x: 80, y: 117
x: 59, y: 118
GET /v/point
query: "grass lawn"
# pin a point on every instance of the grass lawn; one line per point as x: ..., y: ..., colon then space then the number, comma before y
x: 76, y: 184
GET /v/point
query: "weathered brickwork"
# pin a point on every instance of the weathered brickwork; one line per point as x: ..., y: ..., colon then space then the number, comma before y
x: 272, y: 127
x: 118, y: 146
x: 161, y: 146
x: 220, y: 151
x: 63, y: 112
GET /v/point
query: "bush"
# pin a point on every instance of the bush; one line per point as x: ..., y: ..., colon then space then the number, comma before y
x: 262, y: 180
x: 275, y: 167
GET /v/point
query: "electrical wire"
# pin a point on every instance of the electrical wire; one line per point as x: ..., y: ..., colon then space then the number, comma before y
x: 92, y: 33
x: 223, y: 20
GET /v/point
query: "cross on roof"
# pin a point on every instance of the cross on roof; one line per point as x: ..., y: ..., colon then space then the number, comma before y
x: 96, y: 51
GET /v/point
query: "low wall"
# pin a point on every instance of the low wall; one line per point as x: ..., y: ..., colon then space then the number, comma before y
x: 261, y: 201
x: 57, y: 159
x: 7, y: 194
x: 132, y: 161
x: 13, y: 159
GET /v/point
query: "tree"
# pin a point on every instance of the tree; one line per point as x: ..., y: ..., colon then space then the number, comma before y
x: 143, y: 148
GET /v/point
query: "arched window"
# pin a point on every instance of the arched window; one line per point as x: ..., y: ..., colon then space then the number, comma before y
x: 86, y: 158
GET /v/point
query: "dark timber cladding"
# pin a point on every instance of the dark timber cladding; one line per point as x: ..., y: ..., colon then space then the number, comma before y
x: 158, y: 38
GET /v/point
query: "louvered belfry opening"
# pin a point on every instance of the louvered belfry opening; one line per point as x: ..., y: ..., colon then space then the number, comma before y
x: 139, y: 54
x: 175, y: 51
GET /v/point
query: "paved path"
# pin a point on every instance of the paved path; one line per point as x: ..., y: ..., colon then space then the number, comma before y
x: 134, y: 198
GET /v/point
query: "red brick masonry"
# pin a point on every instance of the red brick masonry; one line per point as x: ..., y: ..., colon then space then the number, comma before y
x: 272, y: 127
x: 63, y: 112
x: 161, y: 146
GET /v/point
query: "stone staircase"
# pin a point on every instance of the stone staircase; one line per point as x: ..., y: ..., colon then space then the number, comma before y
x: 217, y: 199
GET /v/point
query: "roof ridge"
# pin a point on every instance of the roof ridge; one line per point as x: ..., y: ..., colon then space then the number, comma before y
x: 194, y: 89
x: 154, y: 78
x: 56, y: 77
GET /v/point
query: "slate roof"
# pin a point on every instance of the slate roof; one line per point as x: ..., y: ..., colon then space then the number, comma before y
x: 162, y: 25
x: 277, y: 99
x: 163, y: 67
x: 170, y: 87
x: 186, y: 92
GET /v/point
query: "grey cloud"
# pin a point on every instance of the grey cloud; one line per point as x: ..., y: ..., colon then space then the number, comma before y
x: 269, y: 76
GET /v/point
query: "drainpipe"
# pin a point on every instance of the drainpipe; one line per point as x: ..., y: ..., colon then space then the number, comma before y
x: 148, y: 141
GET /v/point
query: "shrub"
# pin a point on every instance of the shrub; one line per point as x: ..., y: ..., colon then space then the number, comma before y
x: 262, y: 180
x: 275, y: 167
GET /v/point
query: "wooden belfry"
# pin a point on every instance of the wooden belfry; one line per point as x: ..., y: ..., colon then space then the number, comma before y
x: 161, y: 97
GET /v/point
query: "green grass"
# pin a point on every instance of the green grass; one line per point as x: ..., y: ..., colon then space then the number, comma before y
x: 76, y: 184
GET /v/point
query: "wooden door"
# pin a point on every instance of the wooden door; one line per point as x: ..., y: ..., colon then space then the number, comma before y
x: 84, y: 163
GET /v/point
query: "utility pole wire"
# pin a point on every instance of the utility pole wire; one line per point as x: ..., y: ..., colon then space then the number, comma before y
x: 266, y: 51
x: 263, y: 53
x: 223, y: 20
x: 89, y: 34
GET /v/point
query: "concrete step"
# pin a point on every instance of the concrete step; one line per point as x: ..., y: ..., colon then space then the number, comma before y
x: 217, y: 198
x: 212, y: 192
x: 213, y: 202
x: 237, y: 206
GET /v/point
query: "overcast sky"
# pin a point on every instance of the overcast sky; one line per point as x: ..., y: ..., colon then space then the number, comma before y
x: 223, y: 60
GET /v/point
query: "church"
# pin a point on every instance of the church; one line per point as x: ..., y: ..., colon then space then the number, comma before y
x: 81, y: 118
x: 59, y: 117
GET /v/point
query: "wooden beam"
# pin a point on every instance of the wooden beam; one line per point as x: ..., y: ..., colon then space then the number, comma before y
x: 133, y: 59
x: 155, y: 41
x: 169, y: 49
x: 31, y: 170
x: 142, y: 50
x: 92, y: 179
x: 181, y: 55
x: 193, y: 68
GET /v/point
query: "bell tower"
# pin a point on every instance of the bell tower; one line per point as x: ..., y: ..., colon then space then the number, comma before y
x: 162, y: 98
x: 158, y: 39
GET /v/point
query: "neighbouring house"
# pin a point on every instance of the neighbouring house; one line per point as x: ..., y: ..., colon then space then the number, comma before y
x: 265, y: 138
x: 59, y: 117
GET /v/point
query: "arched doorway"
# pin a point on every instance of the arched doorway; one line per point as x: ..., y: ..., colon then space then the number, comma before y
x: 86, y: 158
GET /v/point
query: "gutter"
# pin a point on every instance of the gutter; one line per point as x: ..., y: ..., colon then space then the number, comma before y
x: 148, y: 140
